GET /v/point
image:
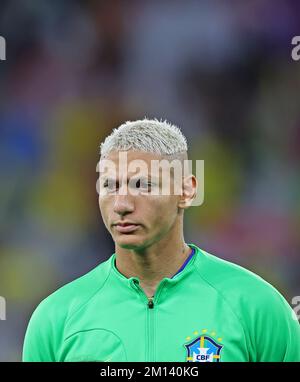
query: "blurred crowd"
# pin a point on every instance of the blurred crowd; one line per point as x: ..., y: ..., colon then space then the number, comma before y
x: 75, y: 69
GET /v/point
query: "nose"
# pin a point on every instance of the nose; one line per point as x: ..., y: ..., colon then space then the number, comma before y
x: 123, y: 204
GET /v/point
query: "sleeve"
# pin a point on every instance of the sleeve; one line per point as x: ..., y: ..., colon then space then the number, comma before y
x: 39, y: 338
x: 275, y: 329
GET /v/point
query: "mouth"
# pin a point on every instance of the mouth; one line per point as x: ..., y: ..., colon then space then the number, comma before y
x: 126, y: 227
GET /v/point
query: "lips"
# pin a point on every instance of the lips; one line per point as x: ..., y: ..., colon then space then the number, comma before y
x: 126, y: 227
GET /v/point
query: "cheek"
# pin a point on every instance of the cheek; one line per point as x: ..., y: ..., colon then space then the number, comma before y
x: 104, y: 209
x: 162, y: 212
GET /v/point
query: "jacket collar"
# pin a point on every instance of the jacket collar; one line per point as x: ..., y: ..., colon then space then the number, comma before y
x: 132, y: 281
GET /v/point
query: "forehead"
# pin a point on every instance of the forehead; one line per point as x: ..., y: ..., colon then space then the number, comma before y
x: 129, y: 162
x: 118, y: 156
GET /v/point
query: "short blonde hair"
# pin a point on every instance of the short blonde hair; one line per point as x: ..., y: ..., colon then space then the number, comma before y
x: 148, y: 135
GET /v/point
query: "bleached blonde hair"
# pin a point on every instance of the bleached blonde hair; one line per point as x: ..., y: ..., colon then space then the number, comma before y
x: 148, y: 135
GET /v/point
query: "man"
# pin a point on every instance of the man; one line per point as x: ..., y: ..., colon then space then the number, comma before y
x: 157, y: 298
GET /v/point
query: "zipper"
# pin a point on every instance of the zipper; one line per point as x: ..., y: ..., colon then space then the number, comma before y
x: 151, y: 303
x: 150, y: 337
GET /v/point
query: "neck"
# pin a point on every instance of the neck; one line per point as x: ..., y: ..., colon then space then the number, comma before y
x: 151, y: 264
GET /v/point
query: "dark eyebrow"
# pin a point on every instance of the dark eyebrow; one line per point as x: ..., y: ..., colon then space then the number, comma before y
x: 142, y: 177
x: 148, y: 178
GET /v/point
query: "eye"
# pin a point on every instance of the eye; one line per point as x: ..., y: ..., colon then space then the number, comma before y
x: 143, y: 184
x: 140, y: 184
x: 110, y: 184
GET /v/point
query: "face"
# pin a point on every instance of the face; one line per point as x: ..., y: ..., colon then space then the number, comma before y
x: 132, y: 205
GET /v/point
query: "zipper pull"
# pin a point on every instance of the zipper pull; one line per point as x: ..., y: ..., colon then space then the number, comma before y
x: 150, y: 303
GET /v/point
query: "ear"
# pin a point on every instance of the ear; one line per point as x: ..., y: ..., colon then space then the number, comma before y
x: 189, y: 191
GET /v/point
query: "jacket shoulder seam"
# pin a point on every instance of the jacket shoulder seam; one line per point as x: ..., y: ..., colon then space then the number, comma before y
x: 240, y: 320
x: 84, y: 303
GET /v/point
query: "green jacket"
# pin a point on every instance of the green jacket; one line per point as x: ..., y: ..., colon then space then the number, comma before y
x: 211, y: 311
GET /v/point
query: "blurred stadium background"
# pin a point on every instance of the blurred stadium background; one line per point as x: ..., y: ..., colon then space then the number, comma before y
x: 75, y: 69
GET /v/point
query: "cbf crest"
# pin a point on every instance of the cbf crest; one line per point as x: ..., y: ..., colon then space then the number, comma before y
x: 204, y: 348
